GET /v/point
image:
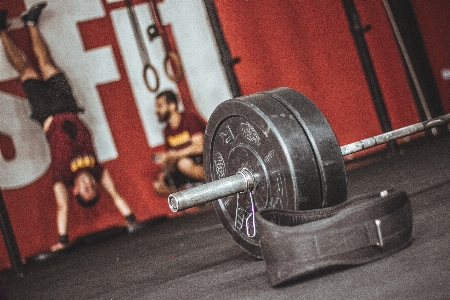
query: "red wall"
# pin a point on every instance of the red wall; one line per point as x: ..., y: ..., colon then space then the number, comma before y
x: 305, y: 45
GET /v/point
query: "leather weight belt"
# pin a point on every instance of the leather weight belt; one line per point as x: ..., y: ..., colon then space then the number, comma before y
x: 357, y: 231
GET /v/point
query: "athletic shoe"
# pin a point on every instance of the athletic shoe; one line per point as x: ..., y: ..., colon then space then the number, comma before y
x: 3, y: 13
x: 31, y: 16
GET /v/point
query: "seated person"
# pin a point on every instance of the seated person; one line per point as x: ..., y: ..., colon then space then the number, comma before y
x: 184, y: 132
x: 74, y: 162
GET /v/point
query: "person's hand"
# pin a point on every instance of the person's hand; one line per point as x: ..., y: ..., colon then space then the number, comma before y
x: 171, y: 158
x: 159, y: 158
x: 167, y: 159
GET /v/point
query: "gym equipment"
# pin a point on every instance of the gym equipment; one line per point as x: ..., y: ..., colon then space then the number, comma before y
x: 172, y: 59
x: 357, y: 231
x: 10, y: 239
x: 228, y: 61
x: 422, y: 83
x: 274, y: 149
x: 358, y: 31
x: 142, y: 49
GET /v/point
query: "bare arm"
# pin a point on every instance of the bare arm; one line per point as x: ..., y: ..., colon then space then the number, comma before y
x: 195, y: 148
x: 109, y: 186
x: 62, y: 202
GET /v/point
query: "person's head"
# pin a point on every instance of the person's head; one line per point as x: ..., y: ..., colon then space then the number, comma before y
x: 85, y: 189
x: 166, y: 104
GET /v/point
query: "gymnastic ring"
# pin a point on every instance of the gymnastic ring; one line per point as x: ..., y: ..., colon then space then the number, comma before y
x: 178, y: 71
x: 152, y: 68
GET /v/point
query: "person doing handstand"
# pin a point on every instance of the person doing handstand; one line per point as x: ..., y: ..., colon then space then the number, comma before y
x: 74, y: 162
x: 183, y: 159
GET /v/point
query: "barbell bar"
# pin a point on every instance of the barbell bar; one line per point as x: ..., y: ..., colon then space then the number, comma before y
x: 240, y: 183
x: 274, y: 149
x: 394, y: 135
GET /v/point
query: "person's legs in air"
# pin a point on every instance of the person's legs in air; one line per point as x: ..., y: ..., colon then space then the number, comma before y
x: 40, y: 48
x: 14, y: 54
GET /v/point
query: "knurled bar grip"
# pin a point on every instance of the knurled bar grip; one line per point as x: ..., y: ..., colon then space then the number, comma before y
x: 393, y: 135
x: 208, y: 192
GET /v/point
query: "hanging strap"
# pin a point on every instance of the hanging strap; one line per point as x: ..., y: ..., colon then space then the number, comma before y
x: 172, y: 61
x: 145, y: 58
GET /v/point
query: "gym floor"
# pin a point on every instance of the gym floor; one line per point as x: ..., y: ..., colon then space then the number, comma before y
x: 193, y: 256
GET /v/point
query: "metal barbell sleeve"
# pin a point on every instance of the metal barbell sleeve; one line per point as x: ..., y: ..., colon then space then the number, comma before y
x: 242, y: 181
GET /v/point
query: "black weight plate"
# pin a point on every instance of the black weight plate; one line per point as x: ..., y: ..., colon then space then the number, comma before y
x: 258, y: 133
x: 327, y: 151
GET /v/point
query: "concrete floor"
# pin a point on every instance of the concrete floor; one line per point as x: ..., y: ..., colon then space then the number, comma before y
x: 193, y: 256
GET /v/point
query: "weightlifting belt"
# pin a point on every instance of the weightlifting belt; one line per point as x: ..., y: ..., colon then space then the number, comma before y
x: 357, y: 231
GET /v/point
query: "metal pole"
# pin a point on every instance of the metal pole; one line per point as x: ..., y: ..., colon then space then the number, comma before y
x: 418, y: 69
x: 358, y: 30
x: 9, y: 238
x: 244, y: 179
x: 227, y: 59
x: 393, y: 135
x: 408, y: 62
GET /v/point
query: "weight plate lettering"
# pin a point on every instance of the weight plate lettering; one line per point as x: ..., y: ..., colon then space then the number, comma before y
x: 256, y: 133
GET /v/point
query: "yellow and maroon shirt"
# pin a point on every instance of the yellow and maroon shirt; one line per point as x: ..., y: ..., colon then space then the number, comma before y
x: 71, y: 148
x: 180, y: 137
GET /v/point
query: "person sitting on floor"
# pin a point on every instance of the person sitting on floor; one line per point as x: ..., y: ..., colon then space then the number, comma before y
x: 184, y: 133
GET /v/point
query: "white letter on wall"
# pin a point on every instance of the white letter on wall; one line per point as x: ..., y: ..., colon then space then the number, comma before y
x: 32, y: 152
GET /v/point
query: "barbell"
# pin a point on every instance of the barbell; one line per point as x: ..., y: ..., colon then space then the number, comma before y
x: 274, y: 149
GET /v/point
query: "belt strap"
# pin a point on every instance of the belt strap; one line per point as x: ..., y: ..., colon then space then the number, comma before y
x: 357, y: 231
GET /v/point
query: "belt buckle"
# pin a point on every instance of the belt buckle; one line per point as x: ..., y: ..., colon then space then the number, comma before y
x: 380, y: 236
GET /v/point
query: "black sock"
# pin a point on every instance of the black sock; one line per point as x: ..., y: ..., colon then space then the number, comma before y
x: 3, y: 14
x: 131, y: 218
x: 64, y: 239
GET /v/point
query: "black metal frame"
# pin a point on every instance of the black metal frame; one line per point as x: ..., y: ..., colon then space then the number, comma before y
x: 358, y: 30
x: 9, y: 238
x: 228, y: 61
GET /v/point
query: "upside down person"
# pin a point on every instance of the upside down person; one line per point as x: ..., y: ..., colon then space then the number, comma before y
x: 74, y: 162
